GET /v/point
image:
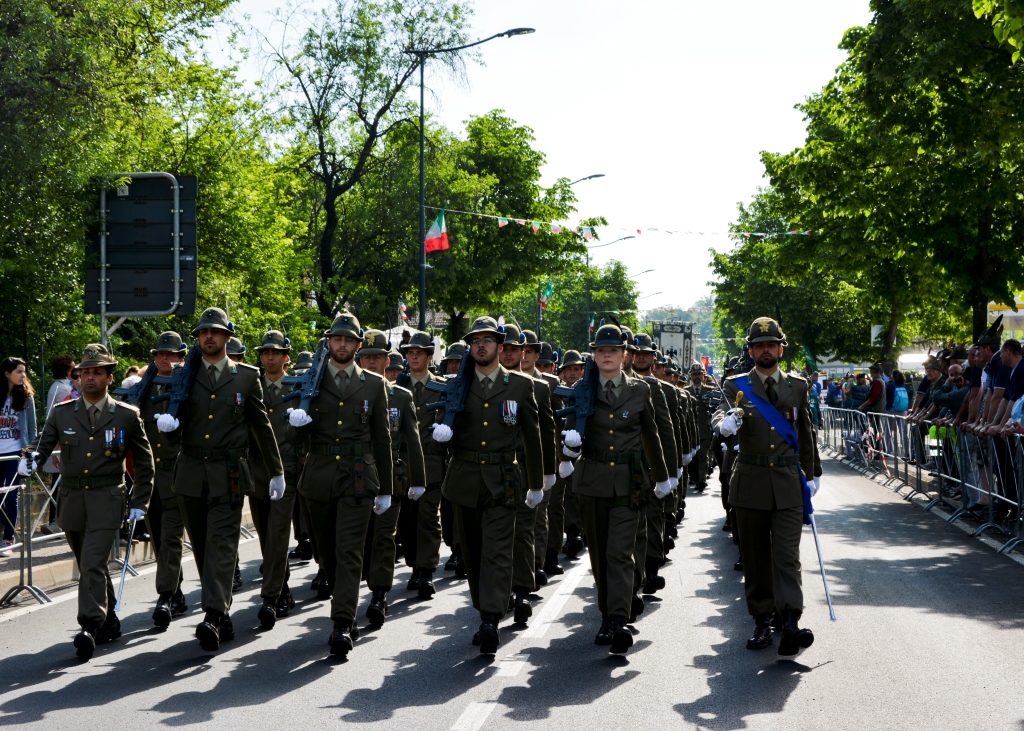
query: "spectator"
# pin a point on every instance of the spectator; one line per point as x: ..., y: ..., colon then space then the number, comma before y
x: 874, y: 403
x: 815, y: 386
x: 61, y: 368
x: 932, y: 376
x: 949, y: 397
x: 834, y: 394
x: 900, y: 394
x: 132, y: 371
x: 859, y: 391
x: 17, y: 432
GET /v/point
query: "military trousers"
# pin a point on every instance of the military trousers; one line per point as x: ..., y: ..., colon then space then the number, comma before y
x: 419, y: 527
x: 340, y: 527
x: 540, y: 529
x: 524, y: 571
x: 213, y: 522
x: 167, y: 530
x: 379, y: 549
x: 611, y: 531
x: 698, y: 468
x: 770, y: 550
x: 556, y: 518
x: 91, y: 520
x: 306, y: 521
x: 487, y: 533
x: 655, y: 514
x: 273, y: 520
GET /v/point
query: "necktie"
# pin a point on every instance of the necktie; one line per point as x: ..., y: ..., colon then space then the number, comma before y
x: 211, y: 372
x: 418, y: 391
x: 93, y: 416
x: 273, y: 390
x: 769, y: 387
x: 609, y: 392
x: 486, y: 383
x: 342, y: 380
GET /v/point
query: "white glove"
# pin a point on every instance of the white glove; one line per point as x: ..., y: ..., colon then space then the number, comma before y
x: 415, y: 493
x: 815, y: 486
x: 572, y: 438
x: 729, y: 426
x: 381, y: 503
x: 662, y: 489
x: 298, y: 417
x: 549, y: 482
x: 442, y: 433
x: 136, y: 514
x: 673, y: 482
x: 736, y: 448
x: 565, y: 469
x: 679, y: 474
x: 687, y: 458
x: 27, y: 465
x: 534, y: 498
x: 277, y: 487
x: 570, y: 453
x: 166, y: 423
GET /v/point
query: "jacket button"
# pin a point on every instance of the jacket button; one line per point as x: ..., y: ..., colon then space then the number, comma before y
x: 483, y: 444
x: 159, y: 445
x: 611, y: 448
x: 611, y: 416
x: 339, y: 423
x: 207, y: 436
x: 341, y: 403
x: 773, y: 428
x: 611, y: 464
x: 611, y: 431
x: 483, y: 461
x: 91, y: 438
x: 337, y: 457
x: 271, y: 411
x: 771, y: 446
x: 210, y: 416
x: 85, y: 472
x: 157, y: 459
x: 485, y: 423
x: 88, y: 454
x: 213, y: 395
x: 486, y: 405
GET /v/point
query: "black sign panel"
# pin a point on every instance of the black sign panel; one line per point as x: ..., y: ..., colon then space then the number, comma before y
x: 140, y: 249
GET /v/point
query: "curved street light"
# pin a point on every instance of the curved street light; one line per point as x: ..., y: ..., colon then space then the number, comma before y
x: 589, y: 177
x: 421, y: 55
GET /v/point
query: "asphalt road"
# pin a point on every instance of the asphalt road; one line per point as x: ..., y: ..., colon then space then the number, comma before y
x: 930, y: 635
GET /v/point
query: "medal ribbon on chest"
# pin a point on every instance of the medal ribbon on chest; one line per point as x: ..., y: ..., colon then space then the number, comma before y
x: 509, y: 412
x: 364, y: 412
x: 394, y: 417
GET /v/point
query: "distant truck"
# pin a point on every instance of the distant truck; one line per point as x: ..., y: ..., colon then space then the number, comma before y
x: 675, y: 339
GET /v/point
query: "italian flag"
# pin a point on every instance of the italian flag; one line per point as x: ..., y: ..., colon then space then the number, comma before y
x: 437, y: 236
x: 545, y: 295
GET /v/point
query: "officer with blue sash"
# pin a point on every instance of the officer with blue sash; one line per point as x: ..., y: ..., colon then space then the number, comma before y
x: 768, y: 410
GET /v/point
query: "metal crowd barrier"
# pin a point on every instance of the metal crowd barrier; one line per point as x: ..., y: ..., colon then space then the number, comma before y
x: 977, y: 478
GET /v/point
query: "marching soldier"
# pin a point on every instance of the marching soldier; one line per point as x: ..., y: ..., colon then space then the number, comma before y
x: 409, y: 480
x: 555, y: 500
x: 524, y: 570
x: 611, y: 478
x: 651, y: 553
x: 496, y: 453
x: 420, y: 521
x: 532, y: 351
x: 766, y: 489
x: 94, y: 432
x: 394, y: 367
x: 453, y: 356
x: 273, y: 517
x: 165, y: 519
x: 570, y: 372
x: 236, y: 351
x: 213, y: 474
x: 699, y: 467
x: 304, y: 363
x: 348, y: 471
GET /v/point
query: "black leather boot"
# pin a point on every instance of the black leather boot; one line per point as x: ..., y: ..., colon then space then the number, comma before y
x: 162, y: 614
x: 85, y: 641
x: 426, y: 589
x: 488, y: 634
x: 551, y: 565
x: 523, y: 608
x: 178, y: 603
x: 573, y: 542
x: 636, y: 607
x: 285, y: 602
x: 378, y: 609
x: 604, y: 635
x: 341, y: 641
x: 622, y: 637
x: 237, y: 583
x: 268, y: 614
x: 652, y: 582
x: 110, y: 630
x: 414, y: 581
x: 794, y: 638
x: 763, y: 633
x: 208, y: 632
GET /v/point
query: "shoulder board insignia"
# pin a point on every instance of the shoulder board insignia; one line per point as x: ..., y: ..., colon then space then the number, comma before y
x: 234, y: 369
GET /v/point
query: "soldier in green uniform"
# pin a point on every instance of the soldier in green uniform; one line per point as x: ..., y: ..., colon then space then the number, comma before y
x: 496, y: 453
x: 765, y: 488
x: 453, y: 356
x: 235, y: 350
x: 214, y: 473
x: 94, y: 432
x: 569, y: 373
x: 394, y: 368
x: 650, y: 554
x: 524, y: 573
x: 273, y: 517
x: 532, y: 351
x: 420, y: 522
x: 409, y: 477
x: 700, y: 391
x: 555, y: 500
x: 166, y: 523
x: 348, y: 471
x: 618, y: 455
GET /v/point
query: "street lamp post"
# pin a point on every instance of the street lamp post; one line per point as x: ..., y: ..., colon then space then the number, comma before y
x: 599, y: 246
x: 421, y: 56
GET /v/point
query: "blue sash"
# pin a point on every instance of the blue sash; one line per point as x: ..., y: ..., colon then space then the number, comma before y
x: 775, y: 418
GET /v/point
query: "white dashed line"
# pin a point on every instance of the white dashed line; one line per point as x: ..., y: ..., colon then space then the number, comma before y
x: 474, y: 717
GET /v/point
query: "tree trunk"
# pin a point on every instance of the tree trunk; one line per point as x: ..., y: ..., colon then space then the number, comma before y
x: 982, y: 272
x: 328, y: 292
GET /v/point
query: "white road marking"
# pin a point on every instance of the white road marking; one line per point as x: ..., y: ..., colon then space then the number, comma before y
x: 510, y: 665
x: 553, y: 606
x: 474, y: 717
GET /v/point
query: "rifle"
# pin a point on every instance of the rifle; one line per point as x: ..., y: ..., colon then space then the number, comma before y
x: 580, y: 398
x: 309, y: 382
x: 135, y: 395
x: 405, y: 377
x: 455, y: 390
x: 180, y: 381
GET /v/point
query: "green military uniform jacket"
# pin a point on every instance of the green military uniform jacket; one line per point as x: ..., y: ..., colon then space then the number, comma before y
x: 165, y: 446
x: 624, y: 426
x: 349, y: 440
x: 409, y: 467
x: 666, y: 424
x: 90, y: 465
x: 689, y: 439
x: 702, y: 414
x: 775, y: 484
x: 216, y: 425
x: 277, y: 414
x: 546, y: 416
x: 433, y: 453
x: 486, y: 439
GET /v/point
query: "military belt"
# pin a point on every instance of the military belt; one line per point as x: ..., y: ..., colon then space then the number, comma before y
x: 92, y: 483
x: 764, y: 460
x: 507, y: 456
x: 216, y: 455
x: 164, y: 465
x: 611, y: 456
x: 356, y: 449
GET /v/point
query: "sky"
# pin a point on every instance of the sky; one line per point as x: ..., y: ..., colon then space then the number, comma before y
x: 671, y: 100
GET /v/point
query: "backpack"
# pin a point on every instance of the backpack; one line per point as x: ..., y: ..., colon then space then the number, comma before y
x: 900, y: 399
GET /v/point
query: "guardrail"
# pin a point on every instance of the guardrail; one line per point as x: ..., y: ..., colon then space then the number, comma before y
x: 977, y: 478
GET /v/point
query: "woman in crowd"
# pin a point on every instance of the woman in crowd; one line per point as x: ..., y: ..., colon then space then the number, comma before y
x: 17, y: 432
